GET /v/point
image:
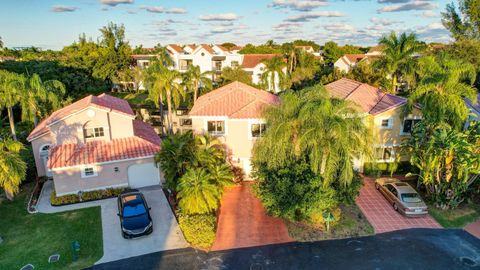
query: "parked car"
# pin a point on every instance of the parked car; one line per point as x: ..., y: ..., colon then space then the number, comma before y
x: 401, y: 196
x: 134, y: 213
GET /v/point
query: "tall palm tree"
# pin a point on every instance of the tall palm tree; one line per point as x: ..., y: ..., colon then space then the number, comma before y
x: 398, y: 55
x: 273, y: 76
x: 40, y: 98
x: 309, y: 125
x: 197, y: 194
x: 194, y: 78
x: 12, y: 86
x: 12, y: 167
x: 444, y: 84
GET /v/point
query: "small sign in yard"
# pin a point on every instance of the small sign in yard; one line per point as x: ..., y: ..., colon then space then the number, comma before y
x: 75, y: 249
x: 54, y: 258
x: 328, y: 218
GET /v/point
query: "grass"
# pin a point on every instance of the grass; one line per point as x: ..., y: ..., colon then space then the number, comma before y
x: 352, y: 224
x: 456, y: 218
x: 32, y: 238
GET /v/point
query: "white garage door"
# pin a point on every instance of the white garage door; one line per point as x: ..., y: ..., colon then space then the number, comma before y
x: 142, y: 175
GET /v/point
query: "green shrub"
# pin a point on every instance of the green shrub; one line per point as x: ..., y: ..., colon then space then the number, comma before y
x: 378, y: 169
x: 199, y: 230
x: 86, y: 196
x: 347, y: 195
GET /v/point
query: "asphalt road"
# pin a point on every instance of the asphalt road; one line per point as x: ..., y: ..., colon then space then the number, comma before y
x: 408, y: 249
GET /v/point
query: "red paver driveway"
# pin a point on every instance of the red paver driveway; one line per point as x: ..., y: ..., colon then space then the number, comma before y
x: 381, y: 214
x: 474, y: 228
x: 243, y: 221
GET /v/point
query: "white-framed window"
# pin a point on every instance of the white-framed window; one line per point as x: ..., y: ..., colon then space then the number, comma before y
x: 216, y: 127
x: 94, y: 132
x: 89, y: 171
x: 386, y: 123
x: 408, y: 125
x: 257, y: 130
x: 385, y: 154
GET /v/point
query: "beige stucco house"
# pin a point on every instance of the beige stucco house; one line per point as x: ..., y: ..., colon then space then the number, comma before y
x: 95, y: 143
x: 233, y: 114
x: 384, y: 114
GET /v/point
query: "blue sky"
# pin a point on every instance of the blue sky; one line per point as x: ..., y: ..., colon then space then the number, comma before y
x: 52, y: 24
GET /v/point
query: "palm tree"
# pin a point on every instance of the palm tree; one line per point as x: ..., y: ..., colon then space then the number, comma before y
x: 273, y: 76
x: 194, y: 78
x: 12, y: 167
x: 444, y: 84
x: 308, y: 125
x: 12, y: 86
x: 221, y: 175
x: 197, y: 194
x: 39, y: 98
x: 398, y: 55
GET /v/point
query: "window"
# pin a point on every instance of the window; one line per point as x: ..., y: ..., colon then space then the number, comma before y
x: 234, y: 64
x: 386, y: 123
x: 216, y: 127
x: 218, y: 65
x: 89, y: 171
x: 94, y: 132
x: 258, y: 130
x: 385, y: 154
x: 186, y: 122
x: 408, y: 125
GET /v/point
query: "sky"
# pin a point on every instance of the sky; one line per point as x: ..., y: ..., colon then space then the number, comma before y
x: 52, y: 24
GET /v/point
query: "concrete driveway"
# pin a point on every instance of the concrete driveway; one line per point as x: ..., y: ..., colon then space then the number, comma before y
x: 166, y: 232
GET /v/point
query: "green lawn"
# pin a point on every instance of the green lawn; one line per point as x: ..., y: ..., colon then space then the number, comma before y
x: 33, y: 238
x: 352, y: 224
x: 456, y: 218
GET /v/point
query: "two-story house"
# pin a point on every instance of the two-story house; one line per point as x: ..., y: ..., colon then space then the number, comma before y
x: 95, y: 143
x: 384, y: 114
x: 233, y: 113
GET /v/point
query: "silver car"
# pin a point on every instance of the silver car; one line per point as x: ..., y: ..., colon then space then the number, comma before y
x: 401, y: 196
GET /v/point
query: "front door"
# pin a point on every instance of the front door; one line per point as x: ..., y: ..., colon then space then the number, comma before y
x: 44, y: 157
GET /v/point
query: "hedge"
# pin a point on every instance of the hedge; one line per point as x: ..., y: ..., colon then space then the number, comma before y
x: 86, y: 196
x: 378, y: 169
x: 199, y: 230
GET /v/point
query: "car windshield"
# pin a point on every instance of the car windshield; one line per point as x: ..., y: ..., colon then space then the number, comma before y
x: 134, y: 210
x: 411, y: 198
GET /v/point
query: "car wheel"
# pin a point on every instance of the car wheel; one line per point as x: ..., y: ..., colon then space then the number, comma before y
x: 377, y: 186
x: 125, y: 236
x: 395, y: 207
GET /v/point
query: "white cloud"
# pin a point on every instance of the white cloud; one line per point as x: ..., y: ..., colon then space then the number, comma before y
x: 430, y: 14
x: 307, y: 16
x: 415, y: 5
x: 383, y: 21
x: 158, y: 9
x: 113, y: 3
x: 298, y: 5
x: 61, y: 8
x: 220, y: 17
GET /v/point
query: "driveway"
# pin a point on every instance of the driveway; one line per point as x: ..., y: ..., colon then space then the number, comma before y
x: 381, y: 214
x: 408, y: 249
x: 243, y: 222
x: 166, y: 232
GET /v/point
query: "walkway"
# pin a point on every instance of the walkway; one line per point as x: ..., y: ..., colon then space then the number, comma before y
x: 166, y: 232
x: 474, y: 228
x: 381, y: 214
x: 243, y: 221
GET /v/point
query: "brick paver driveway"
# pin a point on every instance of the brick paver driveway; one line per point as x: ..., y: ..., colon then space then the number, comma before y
x: 381, y: 214
x: 243, y: 222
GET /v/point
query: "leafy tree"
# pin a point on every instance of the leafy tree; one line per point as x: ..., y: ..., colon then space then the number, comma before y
x: 194, y: 79
x: 12, y: 168
x: 12, y: 87
x: 466, y: 50
x: 273, y: 76
x: 332, y: 52
x: 306, y: 70
x: 221, y: 175
x: 444, y: 85
x: 1, y: 43
x: 228, y: 45
x: 365, y: 72
x: 267, y: 48
x: 398, y: 56
x: 235, y: 74
x: 464, y: 23
x: 197, y: 194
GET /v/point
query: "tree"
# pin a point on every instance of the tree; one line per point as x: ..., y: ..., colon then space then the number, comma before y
x: 197, y: 194
x: 11, y: 89
x: 1, y: 43
x: 235, y: 74
x: 398, y: 56
x: 364, y: 72
x: 326, y: 133
x: 228, y: 45
x: 332, y: 52
x: 12, y: 168
x: 194, y: 79
x: 464, y: 23
x: 306, y: 70
x: 273, y: 76
x: 444, y: 84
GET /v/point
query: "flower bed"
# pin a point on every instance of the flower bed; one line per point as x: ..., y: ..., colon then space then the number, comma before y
x: 85, y: 197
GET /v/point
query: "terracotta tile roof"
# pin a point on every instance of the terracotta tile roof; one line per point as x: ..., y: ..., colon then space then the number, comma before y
x: 236, y: 48
x: 222, y: 48
x: 354, y: 58
x: 252, y: 60
x: 234, y: 100
x: 145, y: 143
x: 102, y: 101
x: 191, y: 46
x: 378, y: 48
x: 370, y: 99
x: 206, y: 47
x: 176, y: 48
